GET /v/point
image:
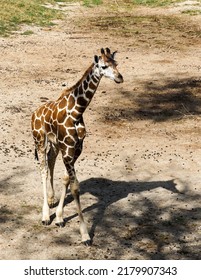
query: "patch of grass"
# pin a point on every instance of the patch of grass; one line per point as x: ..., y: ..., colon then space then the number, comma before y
x: 155, y: 3
x: 91, y: 3
x: 13, y: 13
x: 192, y: 12
x: 64, y: 1
x: 149, y: 30
x: 16, y: 12
x: 27, y: 32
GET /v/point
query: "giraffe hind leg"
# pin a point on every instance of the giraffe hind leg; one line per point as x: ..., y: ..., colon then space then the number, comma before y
x: 51, y: 156
x: 59, y: 212
x: 44, y: 175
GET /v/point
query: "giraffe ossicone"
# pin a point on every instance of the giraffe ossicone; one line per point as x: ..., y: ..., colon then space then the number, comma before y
x: 59, y: 126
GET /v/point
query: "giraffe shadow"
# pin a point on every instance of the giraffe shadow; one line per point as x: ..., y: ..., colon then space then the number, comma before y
x: 126, y: 228
x: 108, y: 192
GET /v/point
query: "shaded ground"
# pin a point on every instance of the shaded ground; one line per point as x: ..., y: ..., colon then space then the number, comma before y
x: 140, y: 169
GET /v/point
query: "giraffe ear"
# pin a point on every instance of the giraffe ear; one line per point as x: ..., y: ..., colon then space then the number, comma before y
x: 102, y: 51
x: 114, y: 54
x: 108, y: 51
x: 96, y: 59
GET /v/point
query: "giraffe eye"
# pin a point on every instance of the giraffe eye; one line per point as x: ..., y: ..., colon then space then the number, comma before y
x: 104, y: 67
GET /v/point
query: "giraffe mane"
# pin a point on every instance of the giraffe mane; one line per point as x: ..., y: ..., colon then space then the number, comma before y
x: 67, y: 91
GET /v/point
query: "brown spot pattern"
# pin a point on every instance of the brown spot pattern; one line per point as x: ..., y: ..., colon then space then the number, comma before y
x: 82, y: 101
x: 62, y: 103
x: 71, y: 102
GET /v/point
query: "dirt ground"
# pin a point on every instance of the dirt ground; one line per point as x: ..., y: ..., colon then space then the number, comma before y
x: 140, y: 170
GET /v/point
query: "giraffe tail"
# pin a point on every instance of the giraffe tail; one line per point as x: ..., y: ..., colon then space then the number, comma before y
x: 36, y: 155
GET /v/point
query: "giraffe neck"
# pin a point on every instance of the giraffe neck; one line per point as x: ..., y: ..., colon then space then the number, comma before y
x: 80, y: 95
x: 88, y: 84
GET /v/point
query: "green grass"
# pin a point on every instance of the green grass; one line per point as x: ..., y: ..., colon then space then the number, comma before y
x: 192, y: 12
x: 16, y: 12
x: 13, y: 13
x: 91, y: 3
x: 27, y: 32
x: 155, y: 3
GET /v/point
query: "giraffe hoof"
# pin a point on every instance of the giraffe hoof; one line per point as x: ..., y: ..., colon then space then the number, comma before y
x: 60, y: 224
x: 87, y: 242
x: 46, y: 223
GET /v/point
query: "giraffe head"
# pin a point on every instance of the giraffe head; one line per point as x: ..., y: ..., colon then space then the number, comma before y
x: 107, y: 66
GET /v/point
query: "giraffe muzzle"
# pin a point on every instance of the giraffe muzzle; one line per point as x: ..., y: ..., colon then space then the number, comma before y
x: 119, y: 79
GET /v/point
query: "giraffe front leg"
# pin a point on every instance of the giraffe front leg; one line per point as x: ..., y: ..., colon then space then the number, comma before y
x: 69, y: 158
x: 75, y: 191
x: 74, y: 186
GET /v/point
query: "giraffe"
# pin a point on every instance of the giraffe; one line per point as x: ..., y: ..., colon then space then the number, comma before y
x: 59, y: 126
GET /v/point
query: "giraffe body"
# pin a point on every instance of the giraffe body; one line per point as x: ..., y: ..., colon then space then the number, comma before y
x: 59, y: 126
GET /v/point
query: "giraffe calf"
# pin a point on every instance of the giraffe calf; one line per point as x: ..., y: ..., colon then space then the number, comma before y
x: 58, y: 126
